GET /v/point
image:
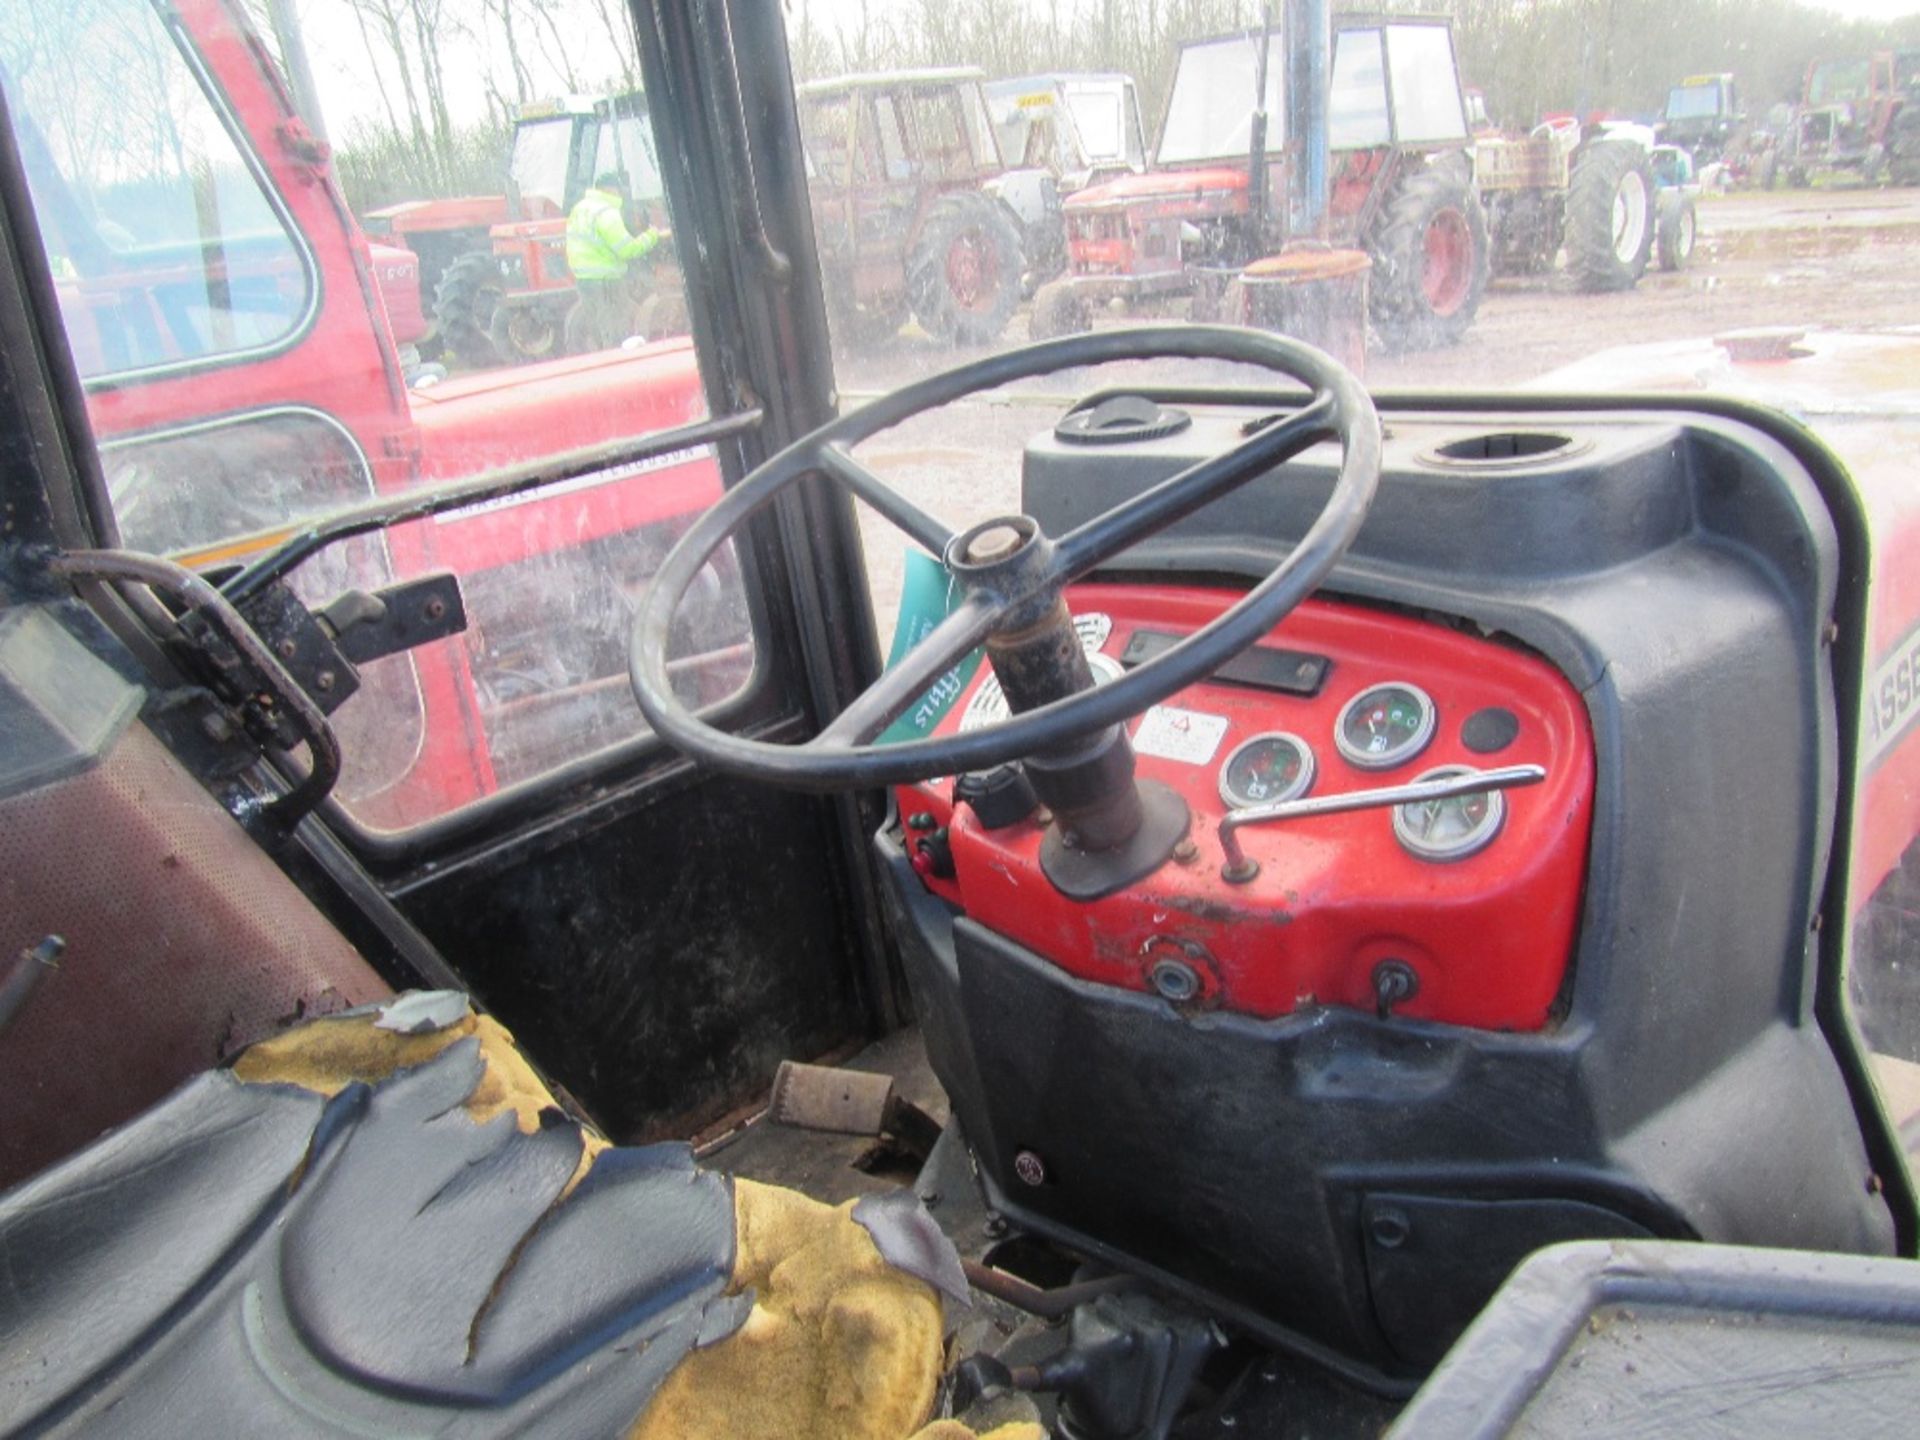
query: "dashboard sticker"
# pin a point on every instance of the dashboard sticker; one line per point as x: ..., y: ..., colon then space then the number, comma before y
x: 1185, y: 735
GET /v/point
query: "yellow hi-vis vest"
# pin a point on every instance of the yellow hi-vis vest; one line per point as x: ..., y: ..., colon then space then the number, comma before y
x: 598, y: 245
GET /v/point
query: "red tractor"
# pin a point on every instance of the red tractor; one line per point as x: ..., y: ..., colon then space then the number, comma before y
x: 1401, y: 183
x: 898, y: 166
x: 1850, y: 118
x: 496, y: 266
x: 243, y: 377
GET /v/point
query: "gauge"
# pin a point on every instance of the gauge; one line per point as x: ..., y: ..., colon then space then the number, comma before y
x: 989, y: 703
x: 1385, y: 726
x: 1266, y: 770
x: 1453, y: 828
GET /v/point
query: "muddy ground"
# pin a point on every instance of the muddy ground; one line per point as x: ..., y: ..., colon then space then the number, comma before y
x: 1823, y: 258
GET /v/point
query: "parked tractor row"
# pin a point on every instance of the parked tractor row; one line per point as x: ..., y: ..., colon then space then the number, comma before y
x: 948, y: 198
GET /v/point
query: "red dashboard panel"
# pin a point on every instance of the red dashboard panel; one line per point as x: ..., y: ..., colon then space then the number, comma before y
x: 1488, y: 936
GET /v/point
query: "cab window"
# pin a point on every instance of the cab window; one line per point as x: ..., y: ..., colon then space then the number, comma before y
x: 167, y: 248
x: 391, y: 311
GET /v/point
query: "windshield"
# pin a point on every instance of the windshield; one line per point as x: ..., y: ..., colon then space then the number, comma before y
x: 1693, y: 102
x: 1104, y: 119
x: 627, y: 146
x: 1210, y: 116
x: 1838, y: 80
x: 542, y: 158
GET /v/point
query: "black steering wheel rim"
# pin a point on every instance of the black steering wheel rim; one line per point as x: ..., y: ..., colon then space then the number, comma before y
x: 1338, y: 409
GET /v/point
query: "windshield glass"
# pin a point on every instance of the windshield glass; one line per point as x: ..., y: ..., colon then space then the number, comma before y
x: 1210, y: 116
x: 626, y: 145
x: 542, y: 158
x: 1101, y: 117
x: 1691, y: 102
x: 168, y: 249
x: 1838, y: 80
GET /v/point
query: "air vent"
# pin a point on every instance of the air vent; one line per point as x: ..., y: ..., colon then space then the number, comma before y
x: 1503, y: 447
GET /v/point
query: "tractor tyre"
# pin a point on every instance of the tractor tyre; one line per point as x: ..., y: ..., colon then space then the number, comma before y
x: 664, y: 313
x: 1430, y: 259
x: 1610, y: 216
x: 1058, y: 310
x: 864, y: 326
x: 464, y: 303
x: 963, y: 275
x: 1677, y: 227
x: 522, y: 334
x: 1903, y: 147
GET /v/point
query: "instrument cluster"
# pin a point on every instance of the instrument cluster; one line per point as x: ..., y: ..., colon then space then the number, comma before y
x: 1338, y: 853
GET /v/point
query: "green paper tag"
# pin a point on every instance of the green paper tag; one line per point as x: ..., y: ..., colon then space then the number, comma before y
x: 927, y: 596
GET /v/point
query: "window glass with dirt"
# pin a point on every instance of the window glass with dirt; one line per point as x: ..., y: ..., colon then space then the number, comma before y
x: 299, y: 278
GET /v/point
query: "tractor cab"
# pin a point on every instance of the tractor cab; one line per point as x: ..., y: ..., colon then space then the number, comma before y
x: 1366, y: 150
x: 1703, y: 116
x: 524, y: 286
x: 1118, y: 887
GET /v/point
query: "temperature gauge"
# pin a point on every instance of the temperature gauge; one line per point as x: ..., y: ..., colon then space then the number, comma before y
x: 1266, y: 770
x: 1453, y: 828
x: 1385, y: 726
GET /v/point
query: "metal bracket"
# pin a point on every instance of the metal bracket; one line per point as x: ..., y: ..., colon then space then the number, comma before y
x: 322, y: 649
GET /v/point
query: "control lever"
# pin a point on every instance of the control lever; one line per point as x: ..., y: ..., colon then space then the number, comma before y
x: 1238, y: 869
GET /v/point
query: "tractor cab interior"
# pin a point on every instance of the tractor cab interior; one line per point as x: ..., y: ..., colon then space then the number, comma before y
x: 491, y: 947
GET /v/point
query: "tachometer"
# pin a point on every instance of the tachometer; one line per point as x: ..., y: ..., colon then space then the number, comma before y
x: 1453, y: 828
x: 1385, y: 726
x: 1265, y: 770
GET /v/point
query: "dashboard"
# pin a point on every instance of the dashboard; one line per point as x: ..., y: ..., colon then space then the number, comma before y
x: 1460, y: 910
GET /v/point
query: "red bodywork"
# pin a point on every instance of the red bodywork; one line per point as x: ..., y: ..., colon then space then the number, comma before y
x: 1128, y: 230
x: 434, y: 217
x: 1489, y: 936
x: 344, y: 365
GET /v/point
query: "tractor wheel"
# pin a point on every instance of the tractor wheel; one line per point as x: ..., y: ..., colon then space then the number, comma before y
x: 1429, y: 251
x: 662, y: 314
x: 463, y: 304
x: 1678, y: 224
x: 521, y: 334
x: 1903, y: 149
x: 1058, y: 310
x: 1610, y: 216
x: 864, y: 326
x: 963, y: 276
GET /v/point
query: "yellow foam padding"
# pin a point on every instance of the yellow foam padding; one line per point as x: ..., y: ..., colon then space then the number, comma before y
x: 327, y: 1055
x: 839, y: 1345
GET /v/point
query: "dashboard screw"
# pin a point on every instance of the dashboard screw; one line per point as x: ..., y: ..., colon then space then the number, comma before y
x: 1185, y: 852
x: 994, y: 1226
x: 1031, y: 1169
x: 436, y: 608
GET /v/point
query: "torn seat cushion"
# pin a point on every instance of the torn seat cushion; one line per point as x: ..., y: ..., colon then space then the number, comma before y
x: 382, y: 1223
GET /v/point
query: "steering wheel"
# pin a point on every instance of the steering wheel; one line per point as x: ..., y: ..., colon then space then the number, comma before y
x: 1011, y: 573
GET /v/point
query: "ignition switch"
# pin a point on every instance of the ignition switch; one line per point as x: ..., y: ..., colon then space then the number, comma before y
x: 1000, y: 797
